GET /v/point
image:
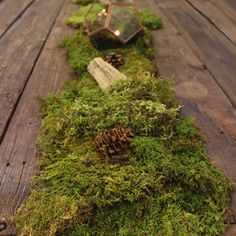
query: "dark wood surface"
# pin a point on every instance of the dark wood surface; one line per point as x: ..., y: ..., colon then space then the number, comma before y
x: 45, y: 70
x: 214, y: 14
x: 11, y: 10
x: 20, y: 48
x: 196, y: 50
x: 216, y: 52
x: 231, y: 4
x: 226, y: 9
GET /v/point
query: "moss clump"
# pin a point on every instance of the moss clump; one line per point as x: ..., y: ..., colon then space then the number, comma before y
x: 81, y: 51
x: 150, y: 20
x: 77, y: 19
x: 169, y: 187
x: 131, y: 104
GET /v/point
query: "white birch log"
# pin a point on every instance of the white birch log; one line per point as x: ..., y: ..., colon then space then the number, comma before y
x: 104, y: 73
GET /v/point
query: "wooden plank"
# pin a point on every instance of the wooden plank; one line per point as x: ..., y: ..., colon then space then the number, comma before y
x: 10, y: 11
x: 217, y: 53
x: 20, y: 48
x: 225, y: 8
x: 231, y: 231
x: 201, y: 96
x: 231, y: 3
x: 216, y: 17
x: 18, y: 147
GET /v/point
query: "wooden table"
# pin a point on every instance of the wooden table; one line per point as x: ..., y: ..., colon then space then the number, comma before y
x: 196, y: 50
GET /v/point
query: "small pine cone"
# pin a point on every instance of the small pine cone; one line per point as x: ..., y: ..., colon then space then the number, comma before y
x: 115, y: 59
x: 114, y: 144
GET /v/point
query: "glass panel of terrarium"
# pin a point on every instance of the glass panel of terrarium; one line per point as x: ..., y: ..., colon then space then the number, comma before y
x: 124, y: 21
x: 96, y: 16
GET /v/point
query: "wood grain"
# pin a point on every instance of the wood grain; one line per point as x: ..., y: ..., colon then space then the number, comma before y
x: 217, y: 53
x: 225, y: 8
x: 217, y: 17
x: 231, y: 3
x: 10, y: 11
x: 20, y: 48
x: 18, y: 151
x: 201, y: 96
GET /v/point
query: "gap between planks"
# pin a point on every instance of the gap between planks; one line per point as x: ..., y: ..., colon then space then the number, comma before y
x: 20, y: 48
x: 10, y: 12
x: 216, y: 17
x: 228, y: 10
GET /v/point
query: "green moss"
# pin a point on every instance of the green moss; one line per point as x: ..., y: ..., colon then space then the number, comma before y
x: 169, y: 178
x: 169, y: 188
x: 144, y: 44
x: 150, y: 20
x: 77, y: 19
x: 81, y: 51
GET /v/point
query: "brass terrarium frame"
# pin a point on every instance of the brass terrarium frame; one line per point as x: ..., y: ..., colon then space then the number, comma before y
x: 106, y: 27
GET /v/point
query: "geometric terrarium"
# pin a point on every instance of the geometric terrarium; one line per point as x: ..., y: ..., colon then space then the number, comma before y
x: 112, y: 20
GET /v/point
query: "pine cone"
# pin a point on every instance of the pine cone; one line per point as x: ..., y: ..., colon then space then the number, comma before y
x: 114, y: 144
x: 115, y: 59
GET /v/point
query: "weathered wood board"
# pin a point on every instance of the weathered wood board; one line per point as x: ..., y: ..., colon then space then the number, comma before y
x: 10, y: 11
x: 225, y: 8
x: 216, y: 52
x: 20, y: 48
x: 217, y: 17
x: 231, y: 3
x: 18, y: 151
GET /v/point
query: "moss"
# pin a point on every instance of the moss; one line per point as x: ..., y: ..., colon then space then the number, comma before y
x: 144, y: 44
x: 169, y: 178
x: 81, y: 51
x: 150, y: 20
x: 169, y: 188
x: 77, y: 19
